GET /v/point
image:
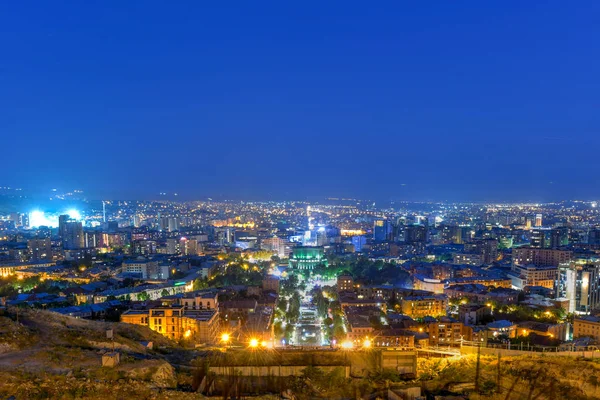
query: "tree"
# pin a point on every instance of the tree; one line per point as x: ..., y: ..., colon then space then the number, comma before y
x: 199, y: 284
x: 319, y: 300
x: 164, y: 293
x: 262, y: 255
x: 282, y: 304
x: 142, y: 296
x: 339, y: 332
x: 293, y: 312
x: 289, y: 285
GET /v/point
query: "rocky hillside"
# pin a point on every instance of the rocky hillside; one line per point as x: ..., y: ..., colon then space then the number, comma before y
x: 44, y: 355
x: 47, y: 355
x: 532, y: 376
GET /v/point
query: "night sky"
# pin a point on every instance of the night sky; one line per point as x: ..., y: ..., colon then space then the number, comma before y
x: 256, y: 100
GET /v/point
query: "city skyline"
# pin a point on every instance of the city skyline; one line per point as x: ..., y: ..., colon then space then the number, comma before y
x: 39, y: 196
x: 450, y: 102
x: 316, y: 200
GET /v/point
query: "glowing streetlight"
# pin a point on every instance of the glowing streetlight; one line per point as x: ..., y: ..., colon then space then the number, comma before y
x: 254, y: 343
x: 367, y: 343
x: 347, y: 345
x: 225, y: 337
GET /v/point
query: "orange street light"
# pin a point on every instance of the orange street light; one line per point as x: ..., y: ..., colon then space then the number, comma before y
x: 347, y: 345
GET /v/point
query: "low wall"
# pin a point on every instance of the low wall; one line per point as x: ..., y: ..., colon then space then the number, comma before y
x: 358, y: 362
x: 274, y: 370
x: 511, y: 352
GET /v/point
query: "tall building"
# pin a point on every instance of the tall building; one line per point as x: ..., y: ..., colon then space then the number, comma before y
x: 580, y: 285
x: 486, y: 248
x: 163, y: 223
x: 452, y: 234
x: 189, y: 247
x: 136, y: 221
x: 92, y: 239
x: 415, y: 234
x: 538, y: 220
x: 359, y: 242
x: 62, y: 221
x: 594, y: 236
x: 173, y: 246
x: 540, y: 257
x: 19, y: 219
x: 73, y: 235
x: 321, y: 237
x: 39, y: 249
x: 173, y: 224
x: 382, y: 230
x: 559, y: 237
x: 538, y: 239
x: 531, y: 275
x: 274, y: 244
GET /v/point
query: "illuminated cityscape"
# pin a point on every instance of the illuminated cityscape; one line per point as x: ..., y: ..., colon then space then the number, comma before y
x: 296, y: 200
x: 405, y: 280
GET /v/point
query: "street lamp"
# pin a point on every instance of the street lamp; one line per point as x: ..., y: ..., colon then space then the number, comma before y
x: 367, y: 343
x: 225, y: 338
x: 347, y: 345
x: 253, y: 343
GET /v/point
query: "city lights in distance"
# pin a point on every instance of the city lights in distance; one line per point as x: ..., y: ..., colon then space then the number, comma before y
x: 74, y: 214
x: 40, y: 218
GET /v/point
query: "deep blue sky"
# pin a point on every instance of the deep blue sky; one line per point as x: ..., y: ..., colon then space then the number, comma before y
x: 455, y: 100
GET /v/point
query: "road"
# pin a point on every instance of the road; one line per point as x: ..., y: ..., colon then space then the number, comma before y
x: 309, y: 329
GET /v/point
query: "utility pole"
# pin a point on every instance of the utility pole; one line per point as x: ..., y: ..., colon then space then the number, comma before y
x: 109, y: 335
x: 477, y: 368
x: 498, y: 387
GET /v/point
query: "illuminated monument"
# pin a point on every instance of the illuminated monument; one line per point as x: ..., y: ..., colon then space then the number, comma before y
x: 306, y: 258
